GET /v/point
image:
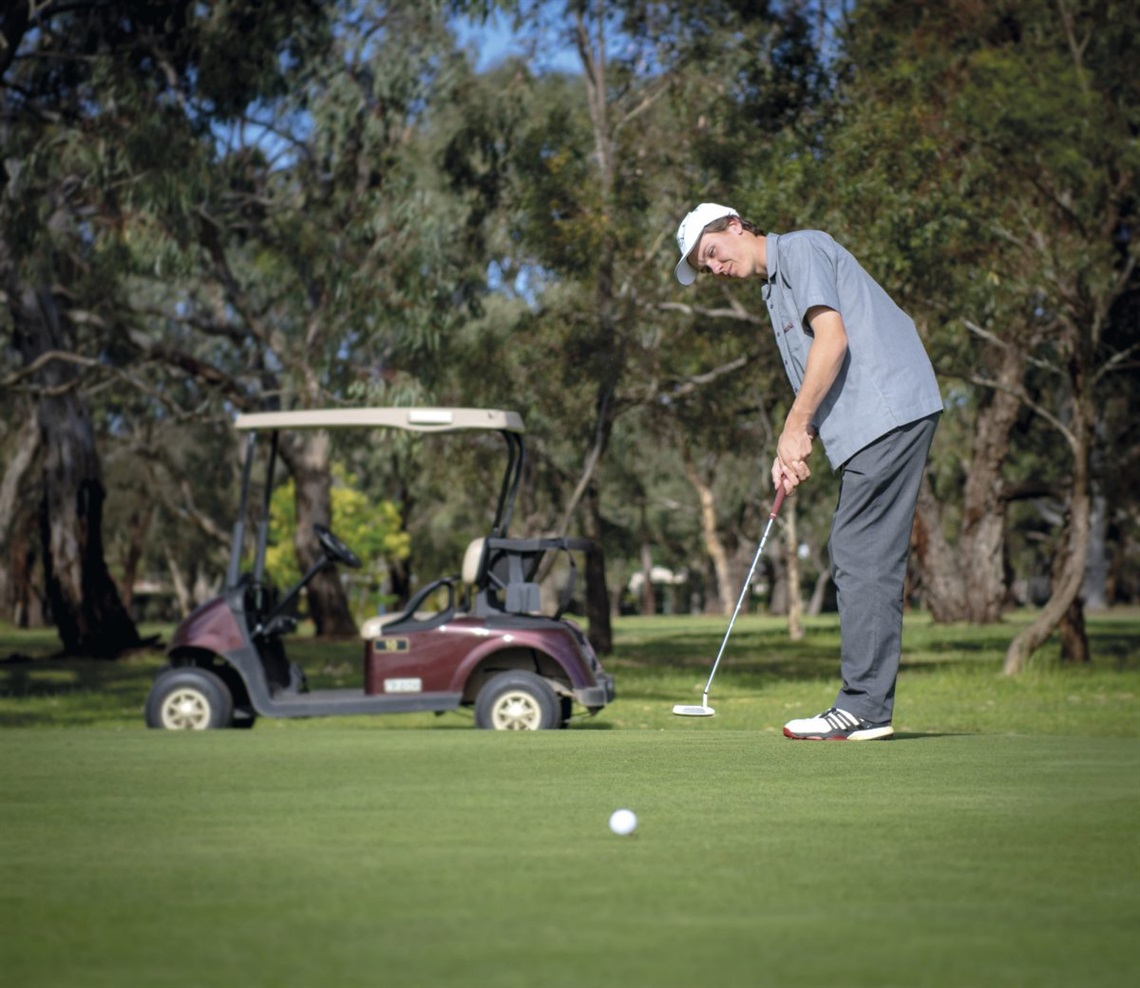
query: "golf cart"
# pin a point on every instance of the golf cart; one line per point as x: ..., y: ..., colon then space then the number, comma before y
x: 490, y: 647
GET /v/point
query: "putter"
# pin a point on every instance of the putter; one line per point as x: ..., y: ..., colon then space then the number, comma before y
x: 704, y: 710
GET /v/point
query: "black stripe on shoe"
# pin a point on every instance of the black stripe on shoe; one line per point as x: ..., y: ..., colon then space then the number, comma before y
x: 840, y: 720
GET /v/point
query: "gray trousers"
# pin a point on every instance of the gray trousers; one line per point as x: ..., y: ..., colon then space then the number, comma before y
x: 869, y: 545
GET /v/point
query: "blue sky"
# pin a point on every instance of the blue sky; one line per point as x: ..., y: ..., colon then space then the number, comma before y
x: 494, y: 41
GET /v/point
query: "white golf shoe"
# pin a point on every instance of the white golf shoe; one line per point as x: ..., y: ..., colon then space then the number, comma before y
x: 836, y: 725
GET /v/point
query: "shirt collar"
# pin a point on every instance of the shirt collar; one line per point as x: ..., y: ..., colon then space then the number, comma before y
x: 771, y: 260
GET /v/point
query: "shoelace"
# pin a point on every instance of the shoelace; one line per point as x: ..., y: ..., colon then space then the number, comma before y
x: 839, y: 720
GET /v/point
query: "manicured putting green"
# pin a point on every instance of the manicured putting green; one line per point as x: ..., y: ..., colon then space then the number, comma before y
x: 355, y: 856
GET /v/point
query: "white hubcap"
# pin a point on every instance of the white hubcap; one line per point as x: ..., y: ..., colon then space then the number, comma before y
x: 516, y: 711
x: 186, y: 709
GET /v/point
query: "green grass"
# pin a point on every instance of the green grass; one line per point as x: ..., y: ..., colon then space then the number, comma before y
x: 950, y: 681
x: 996, y: 842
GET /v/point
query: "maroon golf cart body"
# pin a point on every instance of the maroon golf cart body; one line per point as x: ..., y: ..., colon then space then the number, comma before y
x: 490, y: 646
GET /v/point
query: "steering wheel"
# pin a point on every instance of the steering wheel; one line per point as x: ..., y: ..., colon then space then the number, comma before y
x: 336, y: 550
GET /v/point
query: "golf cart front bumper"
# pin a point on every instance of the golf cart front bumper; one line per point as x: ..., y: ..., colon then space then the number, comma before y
x: 593, y: 698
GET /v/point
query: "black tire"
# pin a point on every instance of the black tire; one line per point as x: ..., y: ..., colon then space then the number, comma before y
x: 189, y: 699
x: 517, y: 701
x: 244, y: 718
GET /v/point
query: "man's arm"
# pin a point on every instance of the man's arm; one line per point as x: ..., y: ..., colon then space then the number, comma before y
x: 825, y: 358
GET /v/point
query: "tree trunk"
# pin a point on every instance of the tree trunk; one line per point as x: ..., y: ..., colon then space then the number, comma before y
x: 609, y: 359
x: 83, y: 599
x: 1094, y: 588
x: 181, y: 590
x: 600, y: 631
x: 1074, y: 636
x: 815, y: 605
x: 14, y: 519
x: 1075, y: 548
x: 966, y: 581
x: 308, y: 458
x: 777, y: 565
x: 792, y: 565
x: 648, y: 595
x: 1065, y: 589
x: 138, y: 525
x: 709, y: 532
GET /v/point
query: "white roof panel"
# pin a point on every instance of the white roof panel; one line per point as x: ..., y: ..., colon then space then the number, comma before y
x: 411, y: 419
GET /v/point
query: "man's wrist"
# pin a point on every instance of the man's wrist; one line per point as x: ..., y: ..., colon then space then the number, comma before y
x: 798, y: 421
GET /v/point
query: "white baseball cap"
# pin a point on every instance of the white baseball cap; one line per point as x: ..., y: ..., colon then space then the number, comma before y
x: 689, y: 233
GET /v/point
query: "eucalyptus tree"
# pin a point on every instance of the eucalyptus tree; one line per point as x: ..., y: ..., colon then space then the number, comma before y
x: 327, y: 250
x: 752, y: 99
x: 991, y: 155
x: 238, y: 193
x: 592, y: 182
x: 95, y: 114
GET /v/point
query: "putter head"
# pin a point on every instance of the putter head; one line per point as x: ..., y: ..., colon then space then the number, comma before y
x: 693, y: 710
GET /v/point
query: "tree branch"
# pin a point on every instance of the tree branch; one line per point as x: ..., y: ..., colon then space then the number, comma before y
x: 1022, y: 396
x: 697, y: 381
x: 1115, y: 361
x: 592, y: 458
x: 735, y: 311
x: 997, y: 341
x: 187, y: 510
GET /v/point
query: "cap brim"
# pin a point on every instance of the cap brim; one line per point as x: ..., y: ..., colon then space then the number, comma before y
x: 685, y: 272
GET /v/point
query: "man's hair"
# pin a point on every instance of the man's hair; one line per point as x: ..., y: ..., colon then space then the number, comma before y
x: 719, y: 226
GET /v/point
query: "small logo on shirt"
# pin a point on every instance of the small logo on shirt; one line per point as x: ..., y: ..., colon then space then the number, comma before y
x: 787, y: 327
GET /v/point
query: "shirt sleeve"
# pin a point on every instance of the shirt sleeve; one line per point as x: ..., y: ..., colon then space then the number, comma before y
x: 814, y: 272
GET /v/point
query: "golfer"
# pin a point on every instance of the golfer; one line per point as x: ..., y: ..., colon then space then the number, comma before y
x: 865, y: 387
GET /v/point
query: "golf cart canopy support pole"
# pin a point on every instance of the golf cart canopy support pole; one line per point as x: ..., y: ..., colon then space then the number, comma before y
x: 510, y: 487
x: 263, y: 521
x: 234, y: 570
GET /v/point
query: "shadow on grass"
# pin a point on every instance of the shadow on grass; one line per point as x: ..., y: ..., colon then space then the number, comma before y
x: 655, y: 660
x: 75, y: 692
x: 930, y: 736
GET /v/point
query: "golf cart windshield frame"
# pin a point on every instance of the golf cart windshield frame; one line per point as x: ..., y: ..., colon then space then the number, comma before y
x: 424, y: 420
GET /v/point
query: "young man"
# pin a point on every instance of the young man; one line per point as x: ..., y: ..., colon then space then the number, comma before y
x: 865, y: 387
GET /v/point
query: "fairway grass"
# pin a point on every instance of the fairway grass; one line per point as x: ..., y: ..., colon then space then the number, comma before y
x: 409, y: 857
x: 994, y: 842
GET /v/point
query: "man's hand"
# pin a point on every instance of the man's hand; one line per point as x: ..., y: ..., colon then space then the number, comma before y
x: 792, y: 451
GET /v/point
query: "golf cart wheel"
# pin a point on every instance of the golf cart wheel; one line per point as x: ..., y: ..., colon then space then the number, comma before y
x: 517, y: 701
x: 189, y: 700
x: 244, y: 718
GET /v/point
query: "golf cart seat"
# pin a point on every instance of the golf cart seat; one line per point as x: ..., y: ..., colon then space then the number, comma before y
x: 502, y: 573
x: 524, y: 597
x: 472, y: 561
x: 414, y: 614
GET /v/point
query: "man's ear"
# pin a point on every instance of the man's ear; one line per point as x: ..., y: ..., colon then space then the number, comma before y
x: 734, y: 225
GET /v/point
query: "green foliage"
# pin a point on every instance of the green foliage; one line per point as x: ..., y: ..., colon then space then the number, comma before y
x: 982, y: 163
x: 296, y: 204
x: 371, y: 528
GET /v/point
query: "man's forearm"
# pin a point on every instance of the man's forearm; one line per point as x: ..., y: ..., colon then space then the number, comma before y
x: 825, y: 358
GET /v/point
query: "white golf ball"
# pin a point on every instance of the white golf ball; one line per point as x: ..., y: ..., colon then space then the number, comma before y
x: 623, y: 822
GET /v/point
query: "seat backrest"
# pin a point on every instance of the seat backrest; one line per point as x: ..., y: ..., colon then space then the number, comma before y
x: 472, y: 562
x: 502, y: 573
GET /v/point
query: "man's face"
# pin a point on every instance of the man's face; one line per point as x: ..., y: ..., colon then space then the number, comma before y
x: 726, y: 254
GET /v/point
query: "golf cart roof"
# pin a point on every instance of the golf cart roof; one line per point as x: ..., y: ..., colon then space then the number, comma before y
x: 411, y: 419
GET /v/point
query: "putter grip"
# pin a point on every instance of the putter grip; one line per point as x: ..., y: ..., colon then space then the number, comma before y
x: 781, y: 493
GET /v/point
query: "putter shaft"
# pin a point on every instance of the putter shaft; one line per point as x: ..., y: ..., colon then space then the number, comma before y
x: 780, y: 494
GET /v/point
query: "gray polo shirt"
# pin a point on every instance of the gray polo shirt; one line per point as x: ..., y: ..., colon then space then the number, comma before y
x: 886, y: 379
